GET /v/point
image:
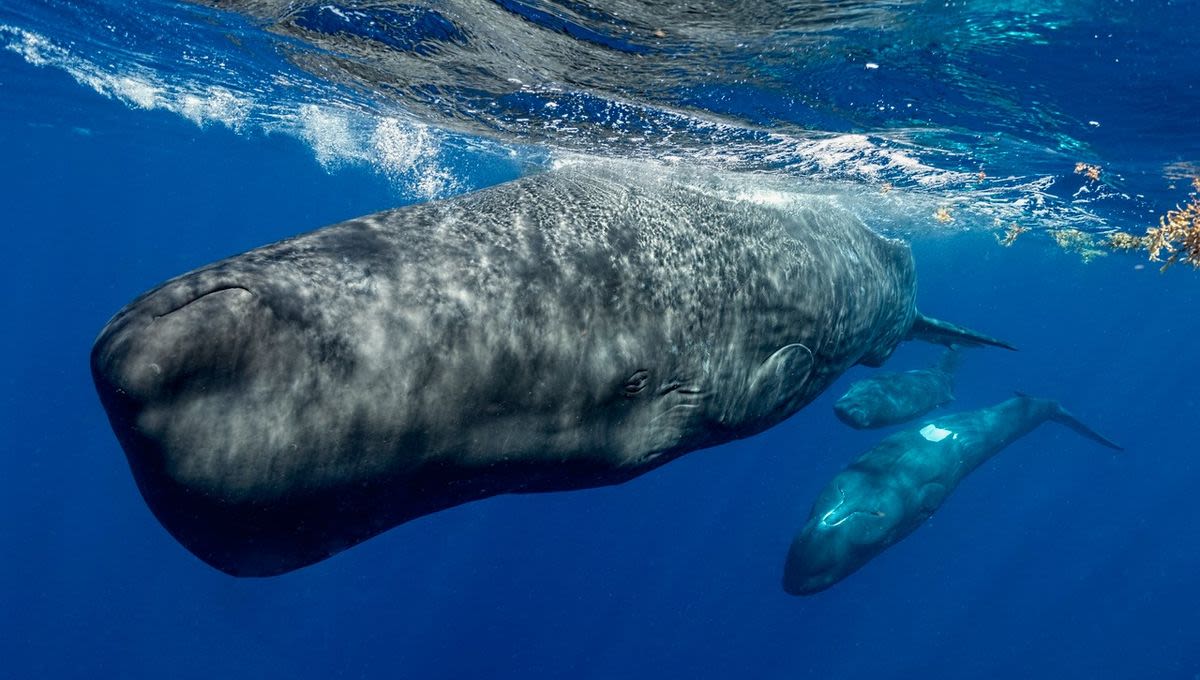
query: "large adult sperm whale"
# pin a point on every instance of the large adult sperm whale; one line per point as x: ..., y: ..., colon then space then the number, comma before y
x: 890, y: 398
x: 887, y: 493
x: 566, y: 330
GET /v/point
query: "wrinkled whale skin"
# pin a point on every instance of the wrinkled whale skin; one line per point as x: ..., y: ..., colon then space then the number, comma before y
x: 565, y: 330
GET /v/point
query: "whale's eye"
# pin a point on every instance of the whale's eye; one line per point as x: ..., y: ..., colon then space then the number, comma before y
x: 637, y: 382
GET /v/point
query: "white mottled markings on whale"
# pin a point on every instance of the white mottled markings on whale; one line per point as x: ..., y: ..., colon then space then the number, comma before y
x: 936, y: 434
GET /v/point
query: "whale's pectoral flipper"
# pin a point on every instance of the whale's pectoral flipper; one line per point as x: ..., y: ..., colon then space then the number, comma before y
x: 945, y: 333
x: 931, y: 497
x: 779, y: 382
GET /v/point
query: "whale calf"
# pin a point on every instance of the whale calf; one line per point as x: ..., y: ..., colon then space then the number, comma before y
x: 892, y: 489
x: 890, y: 398
x: 569, y: 329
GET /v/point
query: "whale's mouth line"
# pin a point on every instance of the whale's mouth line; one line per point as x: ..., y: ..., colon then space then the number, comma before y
x: 200, y: 297
x: 848, y: 516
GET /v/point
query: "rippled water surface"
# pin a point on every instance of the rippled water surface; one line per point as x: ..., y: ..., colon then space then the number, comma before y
x: 983, y: 108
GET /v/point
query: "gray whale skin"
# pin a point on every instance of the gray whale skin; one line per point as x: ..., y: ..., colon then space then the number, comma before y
x: 565, y: 330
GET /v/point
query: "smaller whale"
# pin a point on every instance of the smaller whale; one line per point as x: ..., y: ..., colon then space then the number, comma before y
x: 892, y: 489
x: 890, y: 398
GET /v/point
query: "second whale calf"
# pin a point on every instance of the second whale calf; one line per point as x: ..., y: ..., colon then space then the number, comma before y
x: 890, y: 398
x: 887, y: 493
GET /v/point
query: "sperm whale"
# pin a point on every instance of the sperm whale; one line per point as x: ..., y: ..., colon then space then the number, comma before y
x: 569, y: 329
x: 890, y: 398
x: 889, y: 491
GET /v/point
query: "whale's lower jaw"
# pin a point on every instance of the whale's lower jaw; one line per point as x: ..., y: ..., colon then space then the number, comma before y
x: 247, y: 535
x: 251, y: 539
x: 260, y: 540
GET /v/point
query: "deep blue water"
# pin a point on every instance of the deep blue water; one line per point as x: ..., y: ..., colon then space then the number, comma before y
x: 1057, y: 559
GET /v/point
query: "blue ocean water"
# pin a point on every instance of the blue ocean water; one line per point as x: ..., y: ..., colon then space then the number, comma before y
x: 144, y: 139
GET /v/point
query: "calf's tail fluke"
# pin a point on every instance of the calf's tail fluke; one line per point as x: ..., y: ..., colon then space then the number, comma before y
x: 945, y: 333
x: 1064, y: 417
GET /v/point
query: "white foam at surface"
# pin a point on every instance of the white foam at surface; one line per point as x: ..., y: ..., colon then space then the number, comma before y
x: 327, y: 131
x: 136, y: 88
x: 217, y: 103
x: 140, y: 93
x: 35, y: 49
x: 406, y: 153
x: 399, y: 146
x: 410, y: 149
x: 854, y: 166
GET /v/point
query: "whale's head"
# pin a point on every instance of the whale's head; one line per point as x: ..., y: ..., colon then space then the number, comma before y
x: 230, y: 389
x: 859, y: 406
x: 853, y: 520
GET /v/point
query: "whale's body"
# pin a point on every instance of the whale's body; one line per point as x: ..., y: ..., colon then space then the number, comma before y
x: 891, y: 398
x: 889, y: 491
x: 565, y: 330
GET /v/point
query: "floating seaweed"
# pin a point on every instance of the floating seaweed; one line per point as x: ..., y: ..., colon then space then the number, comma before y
x: 1121, y: 240
x: 1010, y: 235
x: 1092, y: 172
x: 1177, y: 233
x: 943, y: 215
x: 1083, y: 244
